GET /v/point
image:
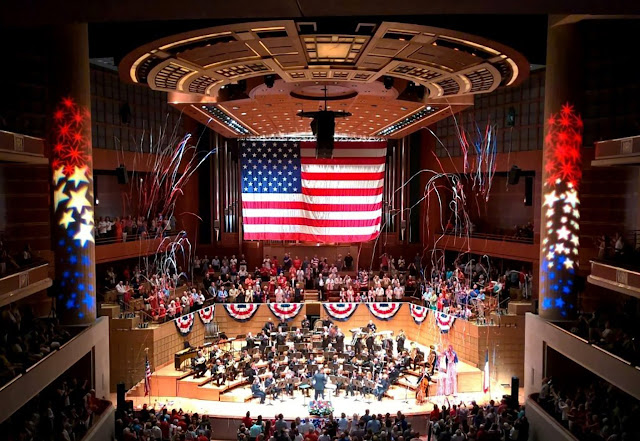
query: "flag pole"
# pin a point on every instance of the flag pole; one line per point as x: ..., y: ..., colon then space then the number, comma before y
x: 146, y: 362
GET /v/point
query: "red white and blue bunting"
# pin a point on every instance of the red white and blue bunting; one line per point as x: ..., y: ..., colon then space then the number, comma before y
x: 418, y: 313
x: 285, y: 311
x: 384, y: 311
x: 206, y: 314
x: 340, y: 311
x: 444, y: 322
x: 185, y: 323
x: 241, y: 312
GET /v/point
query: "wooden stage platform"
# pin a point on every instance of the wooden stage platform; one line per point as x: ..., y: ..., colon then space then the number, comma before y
x: 168, y: 382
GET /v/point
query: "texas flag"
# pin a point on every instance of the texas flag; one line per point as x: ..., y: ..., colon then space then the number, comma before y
x: 485, y: 373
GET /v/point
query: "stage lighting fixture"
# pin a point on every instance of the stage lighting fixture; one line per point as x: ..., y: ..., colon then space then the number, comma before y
x: 323, y: 125
x: 269, y: 80
x: 388, y: 82
x: 413, y: 92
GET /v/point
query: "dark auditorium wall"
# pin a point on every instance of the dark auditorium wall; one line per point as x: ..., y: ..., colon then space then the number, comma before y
x: 24, y: 207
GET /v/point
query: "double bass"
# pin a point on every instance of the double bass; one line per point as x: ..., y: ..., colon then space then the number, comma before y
x: 423, y: 388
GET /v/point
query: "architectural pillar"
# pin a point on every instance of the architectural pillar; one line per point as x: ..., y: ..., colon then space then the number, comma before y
x: 561, y: 173
x: 69, y: 138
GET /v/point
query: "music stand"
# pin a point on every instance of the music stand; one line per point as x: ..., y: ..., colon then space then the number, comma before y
x: 358, y: 384
x: 269, y: 392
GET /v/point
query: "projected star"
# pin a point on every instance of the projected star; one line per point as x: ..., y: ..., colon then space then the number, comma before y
x: 59, y: 196
x: 568, y: 263
x: 563, y: 233
x: 572, y: 198
x: 575, y: 239
x: 57, y: 175
x: 550, y: 198
x: 79, y: 199
x: 79, y: 176
x: 84, y: 235
x: 87, y: 216
x: 67, y: 218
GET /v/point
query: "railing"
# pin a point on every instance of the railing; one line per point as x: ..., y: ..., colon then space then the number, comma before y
x: 488, y: 236
x: 35, y: 262
x: 132, y: 237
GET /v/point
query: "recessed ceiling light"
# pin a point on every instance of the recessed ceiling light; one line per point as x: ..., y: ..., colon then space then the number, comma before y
x: 243, y: 113
x: 403, y: 108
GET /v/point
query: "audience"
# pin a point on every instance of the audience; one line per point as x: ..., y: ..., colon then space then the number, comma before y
x: 132, y: 228
x: 64, y: 411
x: 25, y: 339
x: 591, y: 410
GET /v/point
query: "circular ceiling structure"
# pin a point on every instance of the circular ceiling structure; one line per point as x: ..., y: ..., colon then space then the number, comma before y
x: 420, y: 65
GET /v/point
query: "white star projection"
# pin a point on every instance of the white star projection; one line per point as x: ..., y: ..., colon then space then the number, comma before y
x: 70, y: 195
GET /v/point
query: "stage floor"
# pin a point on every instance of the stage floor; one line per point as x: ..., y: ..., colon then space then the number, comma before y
x: 292, y: 408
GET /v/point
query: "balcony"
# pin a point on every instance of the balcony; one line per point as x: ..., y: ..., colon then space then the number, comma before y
x: 541, y: 334
x: 24, y: 282
x: 110, y: 250
x: 543, y: 426
x: 614, y: 276
x: 94, y: 339
x: 615, y: 152
x: 495, y: 245
x: 15, y: 147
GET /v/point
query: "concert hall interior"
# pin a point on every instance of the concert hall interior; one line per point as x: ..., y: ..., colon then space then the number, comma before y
x: 319, y: 221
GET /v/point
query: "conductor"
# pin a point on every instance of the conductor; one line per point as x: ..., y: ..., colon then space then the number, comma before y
x: 319, y: 383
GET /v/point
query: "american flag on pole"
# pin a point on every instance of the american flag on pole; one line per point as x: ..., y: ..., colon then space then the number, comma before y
x: 485, y: 374
x: 288, y: 194
x: 147, y: 377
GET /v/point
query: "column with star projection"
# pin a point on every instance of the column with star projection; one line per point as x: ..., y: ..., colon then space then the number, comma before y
x: 69, y: 137
x: 562, y: 172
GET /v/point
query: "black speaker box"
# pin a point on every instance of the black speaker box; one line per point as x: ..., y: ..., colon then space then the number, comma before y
x: 515, y: 385
x: 121, y: 173
x: 121, y: 391
x: 514, y: 175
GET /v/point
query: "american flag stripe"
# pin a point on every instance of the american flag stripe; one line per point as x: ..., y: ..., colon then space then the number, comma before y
x: 289, y: 194
x: 342, y: 191
x: 319, y: 183
x: 309, y: 214
x: 313, y: 222
x: 317, y: 200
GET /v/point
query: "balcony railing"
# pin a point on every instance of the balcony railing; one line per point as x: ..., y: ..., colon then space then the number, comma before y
x: 105, y: 240
x: 488, y: 236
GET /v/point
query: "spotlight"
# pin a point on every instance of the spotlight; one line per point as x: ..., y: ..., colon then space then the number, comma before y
x: 269, y: 80
x: 388, y: 82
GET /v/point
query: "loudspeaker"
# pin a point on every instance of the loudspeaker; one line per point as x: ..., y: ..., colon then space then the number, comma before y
x: 528, y: 191
x: 186, y: 345
x: 514, y: 175
x: 120, y: 389
x: 515, y: 385
x: 121, y: 173
x: 323, y: 127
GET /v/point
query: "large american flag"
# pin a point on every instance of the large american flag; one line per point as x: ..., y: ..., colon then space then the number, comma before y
x: 147, y: 377
x: 288, y: 194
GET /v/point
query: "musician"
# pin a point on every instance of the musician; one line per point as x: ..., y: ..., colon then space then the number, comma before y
x: 319, y: 382
x: 431, y: 359
x: 381, y: 387
x: 218, y: 372
x: 325, y: 339
x: 281, y: 338
x: 257, y: 391
x: 358, y: 345
x: 340, y: 341
x: 251, y: 372
x: 400, y: 339
x: 306, y: 324
x: 264, y: 342
x: 269, y: 327
x: 372, y: 326
x: 298, y: 336
x: 200, y: 365
x: 251, y: 342
x: 330, y: 348
x: 270, y: 383
x: 422, y: 392
x: 370, y: 340
x: 272, y: 355
x: 289, y: 375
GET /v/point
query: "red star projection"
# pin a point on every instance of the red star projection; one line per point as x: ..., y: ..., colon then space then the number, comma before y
x: 562, y: 147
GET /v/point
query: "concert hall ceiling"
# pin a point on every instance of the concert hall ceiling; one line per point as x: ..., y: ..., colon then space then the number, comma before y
x: 251, y: 79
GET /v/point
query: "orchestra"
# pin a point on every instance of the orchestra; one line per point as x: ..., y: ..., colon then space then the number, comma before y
x: 278, y: 360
